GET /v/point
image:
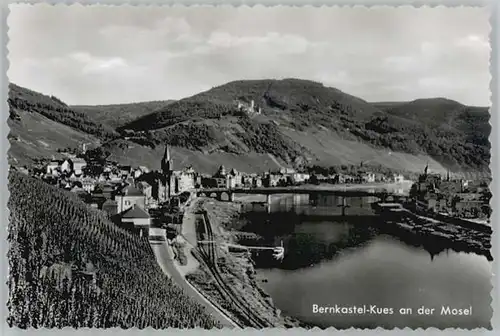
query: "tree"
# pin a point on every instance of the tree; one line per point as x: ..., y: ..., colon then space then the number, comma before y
x: 313, y: 179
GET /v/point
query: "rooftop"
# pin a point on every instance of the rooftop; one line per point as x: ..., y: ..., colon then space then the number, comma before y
x: 130, y: 190
x: 135, y: 212
x: 389, y: 205
x: 109, y: 202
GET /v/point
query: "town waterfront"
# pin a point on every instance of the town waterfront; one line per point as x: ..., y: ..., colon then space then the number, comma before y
x: 351, y: 263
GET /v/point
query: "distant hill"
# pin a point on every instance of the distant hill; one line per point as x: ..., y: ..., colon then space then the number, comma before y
x: 117, y: 115
x: 41, y: 126
x: 435, y: 112
x: 300, y: 119
x: 34, y: 136
x: 456, y: 133
x: 305, y: 101
x: 54, y: 109
x: 301, y: 123
x: 71, y: 267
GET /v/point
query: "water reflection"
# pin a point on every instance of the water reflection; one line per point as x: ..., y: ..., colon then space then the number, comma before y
x: 386, y: 273
x: 355, y: 260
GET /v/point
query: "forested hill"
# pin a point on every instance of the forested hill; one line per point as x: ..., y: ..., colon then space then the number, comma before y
x: 54, y: 109
x: 450, y: 133
x: 305, y: 101
x: 465, y: 127
x: 70, y: 266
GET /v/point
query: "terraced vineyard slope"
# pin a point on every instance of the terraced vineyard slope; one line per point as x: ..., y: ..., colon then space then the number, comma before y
x: 69, y: 266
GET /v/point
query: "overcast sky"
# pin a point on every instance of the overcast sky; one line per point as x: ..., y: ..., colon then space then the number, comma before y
x: 103, y: 55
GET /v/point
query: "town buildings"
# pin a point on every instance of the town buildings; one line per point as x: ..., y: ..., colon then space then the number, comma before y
x: 450, y: 196
x: 185, y: 180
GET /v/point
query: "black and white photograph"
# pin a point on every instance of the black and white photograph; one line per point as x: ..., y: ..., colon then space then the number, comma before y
x: 231, y: 167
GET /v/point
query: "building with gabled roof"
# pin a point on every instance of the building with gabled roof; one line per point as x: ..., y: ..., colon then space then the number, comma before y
x: 129, y: 196
x: 110, y: 207
x: 138, y: 218
x: 53, y: 166
x: 78, y: 165
x: 67, y: 166
x: 221, y: 172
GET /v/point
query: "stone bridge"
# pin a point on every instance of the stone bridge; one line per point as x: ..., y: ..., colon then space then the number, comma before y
x: 226, y: 194
x: 218, y: 194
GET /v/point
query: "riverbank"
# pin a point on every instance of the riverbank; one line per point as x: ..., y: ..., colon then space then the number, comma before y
x: 390, y: 186
x: 237, y: 269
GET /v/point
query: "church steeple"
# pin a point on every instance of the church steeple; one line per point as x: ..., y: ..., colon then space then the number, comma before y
x: 167, y: 171
x: 166, y: 164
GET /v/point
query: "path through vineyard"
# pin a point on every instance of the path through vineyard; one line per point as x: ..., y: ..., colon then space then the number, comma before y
x: 167, y: 265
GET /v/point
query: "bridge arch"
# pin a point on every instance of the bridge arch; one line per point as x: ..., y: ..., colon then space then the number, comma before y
x: 224, y: 196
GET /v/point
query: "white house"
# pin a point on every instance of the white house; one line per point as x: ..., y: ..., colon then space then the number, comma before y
x: 88, y: 184
x: 231, y: 181
x: 300, y: 177
x: 78, y: 165
x: 185, y: 179
x: 137, y: 172
x: 369, y: 177
x: 52, y: 166
x: 67, y: 166
x: 398, y: 178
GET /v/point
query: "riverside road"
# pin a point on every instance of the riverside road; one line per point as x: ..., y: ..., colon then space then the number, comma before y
x: 168, y: 267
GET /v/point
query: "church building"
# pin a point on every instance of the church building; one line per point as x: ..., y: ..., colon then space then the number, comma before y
x: 168, y: 175
x: 174, y: 182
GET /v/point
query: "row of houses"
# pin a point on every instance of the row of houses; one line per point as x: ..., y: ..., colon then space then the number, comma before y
x: 76, y: 167
x: 285, y: 176
x: 367, y: 177
x: 68, y: 166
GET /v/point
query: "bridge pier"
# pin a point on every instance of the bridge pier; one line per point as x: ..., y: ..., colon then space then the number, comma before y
x: 231, y: 197
x: 343, y: 205
x: 268, y: 203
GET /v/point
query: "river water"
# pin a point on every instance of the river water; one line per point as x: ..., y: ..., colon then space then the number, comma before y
x: 346, y: 263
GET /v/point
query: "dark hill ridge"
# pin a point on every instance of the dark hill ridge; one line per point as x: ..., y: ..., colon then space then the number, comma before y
x: 451, y: 133
x: 304, y: 100
x: 433, y: 111
x: 54, y: 109
x: 467, y: 127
